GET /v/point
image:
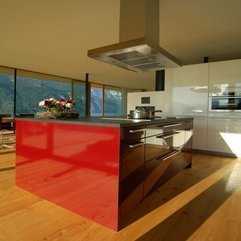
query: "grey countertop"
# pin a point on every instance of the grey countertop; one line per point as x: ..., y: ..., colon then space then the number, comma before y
x: 112, y: 121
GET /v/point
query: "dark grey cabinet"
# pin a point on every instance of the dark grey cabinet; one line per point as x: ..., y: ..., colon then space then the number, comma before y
x: 132, y: 156
x: 149, y: 156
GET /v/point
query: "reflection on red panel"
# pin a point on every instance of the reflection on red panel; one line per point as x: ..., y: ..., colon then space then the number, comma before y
x: 72, y: 165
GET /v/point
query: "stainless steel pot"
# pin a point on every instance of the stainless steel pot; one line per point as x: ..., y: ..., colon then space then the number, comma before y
x: 139, y: 114
x: 142, y: 113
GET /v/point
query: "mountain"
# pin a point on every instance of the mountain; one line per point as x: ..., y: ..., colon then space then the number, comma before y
x: 29, y: 92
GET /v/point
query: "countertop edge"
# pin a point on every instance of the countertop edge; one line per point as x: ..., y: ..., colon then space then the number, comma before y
x: 108, y: 123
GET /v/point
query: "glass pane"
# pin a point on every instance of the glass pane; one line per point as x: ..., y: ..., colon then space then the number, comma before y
x: 30, y: 91
x: 112, y: 102
x: 6, y: 92
x: 34, y: 75
x: 79, y: 97
x: 96, y: 101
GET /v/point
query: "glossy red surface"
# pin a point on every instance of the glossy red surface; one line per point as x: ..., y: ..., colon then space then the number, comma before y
x: 75, y: 166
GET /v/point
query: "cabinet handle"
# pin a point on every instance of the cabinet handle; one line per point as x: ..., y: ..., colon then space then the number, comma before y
x: 173, y: 154
x: 135, y: 145
x: 163, y: 136
x: 137, y: 130
x: 178, y: 124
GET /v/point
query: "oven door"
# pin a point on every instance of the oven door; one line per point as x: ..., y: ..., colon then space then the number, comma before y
x: 225, y: 103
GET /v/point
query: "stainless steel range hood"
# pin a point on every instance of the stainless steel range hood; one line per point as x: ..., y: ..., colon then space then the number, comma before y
x: 138, y: 49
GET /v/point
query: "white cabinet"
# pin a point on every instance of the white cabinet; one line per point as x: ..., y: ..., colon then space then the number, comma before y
x: 200, y: 133
x: 190, y: 90
x: 225, y: 74
x: 190, y: 98
x: 216, y: 132
x: 224, y: 135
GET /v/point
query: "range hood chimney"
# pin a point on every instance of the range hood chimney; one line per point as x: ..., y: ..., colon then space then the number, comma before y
x: 138, y: 49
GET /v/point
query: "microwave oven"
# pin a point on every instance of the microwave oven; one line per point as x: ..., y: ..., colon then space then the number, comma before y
x: 229, y: 101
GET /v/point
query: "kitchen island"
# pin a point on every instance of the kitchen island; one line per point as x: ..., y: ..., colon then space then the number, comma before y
x: 100, y: 168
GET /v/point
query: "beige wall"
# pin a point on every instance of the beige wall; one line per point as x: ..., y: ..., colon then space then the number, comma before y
x: 53, y: 37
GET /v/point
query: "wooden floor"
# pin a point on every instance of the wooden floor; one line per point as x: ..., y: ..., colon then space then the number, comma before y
x: 199, y: 204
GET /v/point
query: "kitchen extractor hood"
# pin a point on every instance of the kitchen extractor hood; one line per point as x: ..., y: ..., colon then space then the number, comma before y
x: 138, y: 49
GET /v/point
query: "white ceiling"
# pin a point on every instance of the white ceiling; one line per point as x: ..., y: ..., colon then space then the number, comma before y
x: 53, y: 36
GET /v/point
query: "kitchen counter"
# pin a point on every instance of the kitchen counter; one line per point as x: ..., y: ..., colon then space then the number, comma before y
x: 114, y: 121
x: 100, y: 168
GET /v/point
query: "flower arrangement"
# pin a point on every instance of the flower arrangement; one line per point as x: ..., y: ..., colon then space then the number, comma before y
x: 54, y: 105
x: 57, y: 109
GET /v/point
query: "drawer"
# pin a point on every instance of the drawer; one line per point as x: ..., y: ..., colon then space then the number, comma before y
x: 132, y: 159
x: 173, y: 127
x: 133, y: 133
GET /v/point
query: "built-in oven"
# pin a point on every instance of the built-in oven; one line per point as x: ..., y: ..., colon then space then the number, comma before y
x: 225, y: 101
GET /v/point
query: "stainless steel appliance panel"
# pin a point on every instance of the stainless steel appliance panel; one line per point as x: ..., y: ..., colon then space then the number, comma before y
x: 228, y: 101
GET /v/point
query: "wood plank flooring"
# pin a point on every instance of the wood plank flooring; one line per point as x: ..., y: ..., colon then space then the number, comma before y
x: 199, y: 204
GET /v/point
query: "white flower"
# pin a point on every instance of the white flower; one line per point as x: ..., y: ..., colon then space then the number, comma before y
x: 41, y: 103
x: 68, y: 105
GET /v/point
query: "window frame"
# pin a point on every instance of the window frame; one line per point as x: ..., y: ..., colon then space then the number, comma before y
x: 43, y: 76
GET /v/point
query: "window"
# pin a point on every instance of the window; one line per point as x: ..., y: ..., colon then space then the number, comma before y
x: 106, y: 100
x: 79, y: 97
x: 6, y: 90
x: 31, y: 88
x: 96, y: 100
x: 112, y: 101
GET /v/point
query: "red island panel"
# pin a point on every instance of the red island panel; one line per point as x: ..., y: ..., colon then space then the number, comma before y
x: 73, y: 165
